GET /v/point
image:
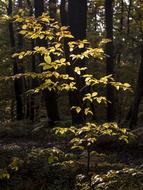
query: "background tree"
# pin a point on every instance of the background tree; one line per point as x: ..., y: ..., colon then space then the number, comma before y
x: 86, y: 20
x: 110, y: 58
x: 18, y: 83
x: 77, y: 21
x: 50, y: 96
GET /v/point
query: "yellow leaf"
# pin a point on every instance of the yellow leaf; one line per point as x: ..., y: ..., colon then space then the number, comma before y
x: 78, y: 109
x: 81, y: 45
x: 78, y: 70
x: 24, y: 26
x: 88, y: 111
x: 47, y: 58
x: 94, y: 94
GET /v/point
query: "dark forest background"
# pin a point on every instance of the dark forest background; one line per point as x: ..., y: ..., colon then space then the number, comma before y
x: 94, y: 20
x: 28, y: 115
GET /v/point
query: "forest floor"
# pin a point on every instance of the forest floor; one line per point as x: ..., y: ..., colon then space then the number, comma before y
x: 33, y: 171
x: 127, y: 154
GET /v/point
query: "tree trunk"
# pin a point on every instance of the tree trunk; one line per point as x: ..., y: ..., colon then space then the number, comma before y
x: 17, y: 82
x: 63, y: 13
x: 109, y: 58
x: 138, y: 95
x: 122, y: 16
x: 52, y: 8
x: 20, y: 43
x: 31, y: 99
x: 129, y: 14
x: 77, y: 20
x: 50, y: 96
x: 119, y: 109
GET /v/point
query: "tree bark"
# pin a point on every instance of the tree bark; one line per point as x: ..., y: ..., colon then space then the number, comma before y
x: 20, y: 43
x: 31, y: 99
x: 122, y: 15
x: 17, y: 82
x: 77, y: 20
x: 129, y: 14
x: 138, y: 95
x: 53, y: 8
x: 109, y: 58
x: 63, y: 13
x: 118, y: 60
x: 50, y: 96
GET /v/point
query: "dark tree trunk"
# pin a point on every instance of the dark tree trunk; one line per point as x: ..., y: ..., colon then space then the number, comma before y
x: 77, y: 20
x: 50, y: 96
x: 17, y: 82
x: 20, y: 37
x: 20, y: 43
x: 129, y: 14
x: 118, y: 60
x: 122, y: 15
x: 93, y: 108
x: 64, y: 22
x: 39, y: 7
x: 31, y: 99
x: 63, y: 13
x: 138, y: 95
x: 109, y: 58
x: 96, y: 21
x: 30, y: 7
x: 52, y: 8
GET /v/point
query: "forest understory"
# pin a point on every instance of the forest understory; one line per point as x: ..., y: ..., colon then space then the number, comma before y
x: 71, y: 89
